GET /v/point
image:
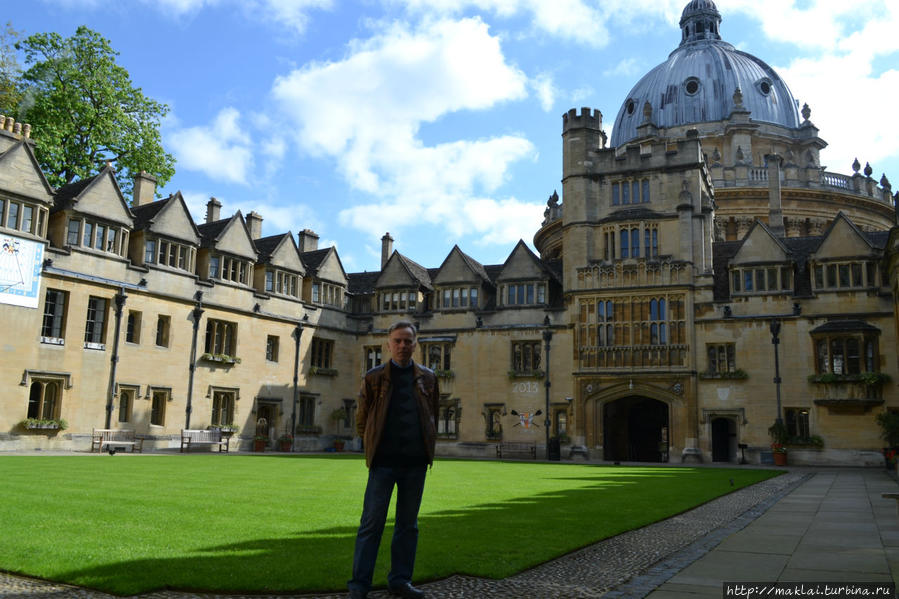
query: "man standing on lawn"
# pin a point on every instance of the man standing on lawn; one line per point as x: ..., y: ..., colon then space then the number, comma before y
x: 397, y: 420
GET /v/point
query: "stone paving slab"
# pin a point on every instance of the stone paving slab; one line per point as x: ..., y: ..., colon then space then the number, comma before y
x: 628, y: 565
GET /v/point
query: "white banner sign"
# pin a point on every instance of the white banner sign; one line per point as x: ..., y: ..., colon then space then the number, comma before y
x: 20, y: 271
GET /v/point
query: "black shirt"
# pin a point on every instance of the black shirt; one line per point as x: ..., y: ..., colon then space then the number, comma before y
x: 402, y: 442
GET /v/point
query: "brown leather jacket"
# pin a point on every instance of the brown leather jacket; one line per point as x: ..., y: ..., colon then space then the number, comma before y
x: 374, y: 397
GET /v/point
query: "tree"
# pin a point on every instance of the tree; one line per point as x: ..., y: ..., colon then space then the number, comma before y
x: 85, y: 111
x: 10, y: 72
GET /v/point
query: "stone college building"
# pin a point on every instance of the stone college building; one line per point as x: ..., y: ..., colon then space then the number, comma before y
x: 700, y: 276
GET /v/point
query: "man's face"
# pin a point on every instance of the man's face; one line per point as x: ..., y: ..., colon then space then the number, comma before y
x: 401, y: 344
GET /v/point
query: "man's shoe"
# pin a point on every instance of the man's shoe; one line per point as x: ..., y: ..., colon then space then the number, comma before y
x: 357, y: 594
x: 407, y: 591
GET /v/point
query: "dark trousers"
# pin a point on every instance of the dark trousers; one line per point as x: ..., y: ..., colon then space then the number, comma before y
x: 409, y: 482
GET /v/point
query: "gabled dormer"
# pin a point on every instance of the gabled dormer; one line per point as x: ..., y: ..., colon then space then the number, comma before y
x: 94, y: 215
x: 524, y: 279
x: 846, y: 258
x: 26, y: 197
x: 402, y: 286
x: 279, y: 270
x: 227, y: 252
x: 762, y: 265
x: 460, y: 283
x: 165, y: 234
x: 326, y: 281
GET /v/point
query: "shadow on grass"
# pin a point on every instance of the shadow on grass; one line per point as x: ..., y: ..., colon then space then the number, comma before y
x: 494, y: 539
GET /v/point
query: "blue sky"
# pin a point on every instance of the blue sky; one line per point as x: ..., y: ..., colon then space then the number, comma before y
x: 439, y: 120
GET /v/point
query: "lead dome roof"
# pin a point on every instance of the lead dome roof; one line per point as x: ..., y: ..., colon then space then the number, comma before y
x: 697, y: 82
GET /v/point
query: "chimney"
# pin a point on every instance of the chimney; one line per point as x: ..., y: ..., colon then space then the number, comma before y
x: 144, y: 189
x: 386, y: 248
x: 213, y: 206
x: 308, y: 240
x: 254, y: 224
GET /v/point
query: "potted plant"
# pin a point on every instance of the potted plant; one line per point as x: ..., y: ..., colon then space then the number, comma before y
x: 339, y: 443
x: 285, y: 442
x: 889, y: 432
x: 779, y: 436
x: 259, y: 443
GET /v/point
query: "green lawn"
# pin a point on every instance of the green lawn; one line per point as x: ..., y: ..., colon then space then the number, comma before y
x: 130, y: 524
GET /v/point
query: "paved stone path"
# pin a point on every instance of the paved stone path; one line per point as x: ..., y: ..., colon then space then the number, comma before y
x: 629, y: 565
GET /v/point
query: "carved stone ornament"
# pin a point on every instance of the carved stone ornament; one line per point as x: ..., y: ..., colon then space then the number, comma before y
x: 806, y: 111
x: 856, y: 165
x: 677, y: 388
x: 738, y: 98
x: 740, y: 155
x: 716, y: 156
x: 647, y: 112
x: 868, y: 169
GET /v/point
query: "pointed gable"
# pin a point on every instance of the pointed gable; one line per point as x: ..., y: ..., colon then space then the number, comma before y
x: 229, y: 235
x: 21, y: 174
x: 760, y: 245
x: 98, y: 196
x: 458, y: 267
x: 843, y: 240
x: 403, y: 272
x: 523, y: 264
x: 169, y: 217
x: 325, y: 265
x: 280, y: 251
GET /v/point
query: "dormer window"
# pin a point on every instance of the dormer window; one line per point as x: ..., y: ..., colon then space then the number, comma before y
x: 281, y: 282
x: 22, y: 216
x: 845, y: 275
x: 169, y: 253
x: 327, y: 294
x: 398, y: 300
x: 523, y: 294
x: 228, y: 268
x: 761, y: 280
x: 458, y: 297
x: 95, y: 235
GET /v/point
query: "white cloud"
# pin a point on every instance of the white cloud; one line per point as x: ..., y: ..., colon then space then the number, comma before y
x: 292, y: 14
x: 545, y: 89
x: 220, y: 150
x: 584, y: 22
x: 365, y: 112
x: 626, y: 67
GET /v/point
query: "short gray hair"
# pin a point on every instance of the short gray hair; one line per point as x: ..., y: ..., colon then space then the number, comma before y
x: 403, y: 324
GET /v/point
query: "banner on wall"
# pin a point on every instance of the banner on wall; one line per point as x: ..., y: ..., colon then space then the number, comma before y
x: 20, y: 271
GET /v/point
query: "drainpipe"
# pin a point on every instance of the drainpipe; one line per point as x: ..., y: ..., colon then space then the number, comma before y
x: 197, y: 313
x: 120, y: 298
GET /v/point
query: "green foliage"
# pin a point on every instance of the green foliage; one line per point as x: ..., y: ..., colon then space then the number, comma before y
x: 10, y: 72
x: 737, y: 375
x: 874, y: 379
x: 323, y: 371
x: 889, y: 427
x: 339, y: 414
x: 525, y: 374
x: 85, y: 111
x: 289, y: 522
x: 44, y: 423
x: 779, y: 433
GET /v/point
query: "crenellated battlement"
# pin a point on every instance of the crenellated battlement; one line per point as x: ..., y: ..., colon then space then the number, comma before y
x: 587, y: 119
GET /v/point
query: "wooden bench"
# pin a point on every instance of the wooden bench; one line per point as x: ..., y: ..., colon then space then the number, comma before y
x: 516, y: 449
x: 214, y: 436
x: 110, y: 439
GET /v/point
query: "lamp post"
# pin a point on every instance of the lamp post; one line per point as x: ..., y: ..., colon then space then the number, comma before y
x: 775, y: 340
x: 197, y: 313
x: 120, y: 298
x: 297, y: 334
x: 547, y: 337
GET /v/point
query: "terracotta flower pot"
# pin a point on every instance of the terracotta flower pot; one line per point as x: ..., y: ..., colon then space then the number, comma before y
x: 780, y: 458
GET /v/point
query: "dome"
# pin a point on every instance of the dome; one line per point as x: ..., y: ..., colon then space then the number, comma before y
x: 697, y: 82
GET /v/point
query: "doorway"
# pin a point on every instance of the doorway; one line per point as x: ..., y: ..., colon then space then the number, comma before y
x: 635, y: 429
x: 724, y: 440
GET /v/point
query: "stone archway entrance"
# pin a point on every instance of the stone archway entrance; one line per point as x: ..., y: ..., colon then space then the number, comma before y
x: 724, y: 440
x: 635, y: 429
